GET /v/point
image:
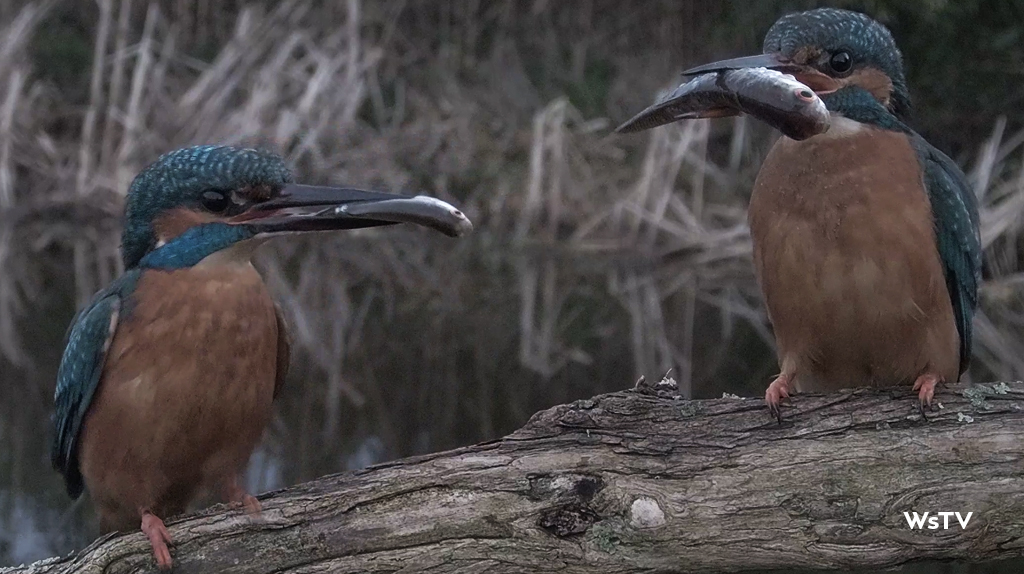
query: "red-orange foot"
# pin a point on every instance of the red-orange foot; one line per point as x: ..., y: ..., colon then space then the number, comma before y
x: 159, y: 538
x: 925, y: 387
x: 778, y: 390
x: 237, y: 496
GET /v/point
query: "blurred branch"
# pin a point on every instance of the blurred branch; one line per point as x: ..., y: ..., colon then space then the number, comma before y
x: 643, y: 481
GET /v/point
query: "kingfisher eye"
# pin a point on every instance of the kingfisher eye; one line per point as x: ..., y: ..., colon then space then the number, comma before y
x: 841, y: 62
x: 215, y: 201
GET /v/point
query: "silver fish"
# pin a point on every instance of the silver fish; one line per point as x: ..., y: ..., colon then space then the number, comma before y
x: 771, y: 96
x: 421, y: 210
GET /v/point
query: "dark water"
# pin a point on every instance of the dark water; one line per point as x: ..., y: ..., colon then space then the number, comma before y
x: 459, y: 382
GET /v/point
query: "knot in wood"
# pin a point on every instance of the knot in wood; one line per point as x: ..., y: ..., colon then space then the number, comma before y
x: 567, y: 520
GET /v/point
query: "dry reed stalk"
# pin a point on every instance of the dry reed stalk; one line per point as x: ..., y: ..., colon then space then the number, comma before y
x: 133, y: 122
x: 7, y: 110
x: 15, y: 110
x: 87, y: 148
x: 120, y: 61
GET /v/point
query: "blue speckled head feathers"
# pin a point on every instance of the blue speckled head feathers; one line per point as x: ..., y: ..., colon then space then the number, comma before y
x: 833, y: 30
x: 180, y: 177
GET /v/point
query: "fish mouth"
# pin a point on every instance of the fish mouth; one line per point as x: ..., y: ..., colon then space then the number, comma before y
x: 301, y: 208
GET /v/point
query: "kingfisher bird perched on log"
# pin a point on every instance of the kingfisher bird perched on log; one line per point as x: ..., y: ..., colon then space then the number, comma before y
x: 167, y: 380
x: 865, y: 236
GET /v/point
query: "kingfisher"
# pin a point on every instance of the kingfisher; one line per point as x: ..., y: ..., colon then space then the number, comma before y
x: 865, y: 237
x: 168, y: 377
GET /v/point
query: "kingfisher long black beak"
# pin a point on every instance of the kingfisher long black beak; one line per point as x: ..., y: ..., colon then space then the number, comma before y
x: 773, y: 61
x: 298, y: 208
x: 807, y: 75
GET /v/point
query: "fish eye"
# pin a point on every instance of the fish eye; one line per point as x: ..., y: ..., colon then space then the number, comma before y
x: 805, y: 94
x: 215, y: 201
x: 841, y: 63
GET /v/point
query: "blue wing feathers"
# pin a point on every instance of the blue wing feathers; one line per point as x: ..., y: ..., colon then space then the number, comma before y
x: 79, y: 374
x: 955, y: 212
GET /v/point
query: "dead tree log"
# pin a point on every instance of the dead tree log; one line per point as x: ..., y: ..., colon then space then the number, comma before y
x: 633, y: 482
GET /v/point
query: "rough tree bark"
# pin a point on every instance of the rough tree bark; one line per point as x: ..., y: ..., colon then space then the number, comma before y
x: 644, y: 482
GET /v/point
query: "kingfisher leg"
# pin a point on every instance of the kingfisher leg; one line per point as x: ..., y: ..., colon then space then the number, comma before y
x: 159, y: 538
x: 778, y: 390
x: 237, y: 496
x: 925, y: 387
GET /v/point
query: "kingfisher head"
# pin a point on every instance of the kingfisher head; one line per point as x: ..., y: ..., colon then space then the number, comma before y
x: 842, y: 55
x: 193, y: 202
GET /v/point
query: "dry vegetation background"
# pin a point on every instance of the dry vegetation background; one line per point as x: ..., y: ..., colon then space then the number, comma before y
x: 596, y: 258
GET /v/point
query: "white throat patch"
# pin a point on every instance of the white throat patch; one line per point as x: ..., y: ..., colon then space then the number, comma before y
x: 841, y: 127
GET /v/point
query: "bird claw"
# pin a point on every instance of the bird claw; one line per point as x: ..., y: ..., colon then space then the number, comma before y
x: 238, y: 498
x: 251, y: 505
x: 159, y: 538
x: 925, y: 387
x: 777, y: 390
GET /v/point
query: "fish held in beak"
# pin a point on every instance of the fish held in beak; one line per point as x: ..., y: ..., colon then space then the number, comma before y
x: 306, y: 208
x: 420, y: 210
x: 771, y: 96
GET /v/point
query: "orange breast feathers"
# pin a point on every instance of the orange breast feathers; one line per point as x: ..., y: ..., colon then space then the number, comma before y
x: 186, y: 391
x: 845, y: 253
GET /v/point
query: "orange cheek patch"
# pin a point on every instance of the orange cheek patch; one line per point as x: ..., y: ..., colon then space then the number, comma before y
x: 174, y: 222
x: 874, y: 81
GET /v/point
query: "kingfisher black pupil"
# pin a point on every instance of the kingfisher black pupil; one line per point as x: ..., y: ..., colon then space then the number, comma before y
x: 841, y: 62
x: 214, y: 201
